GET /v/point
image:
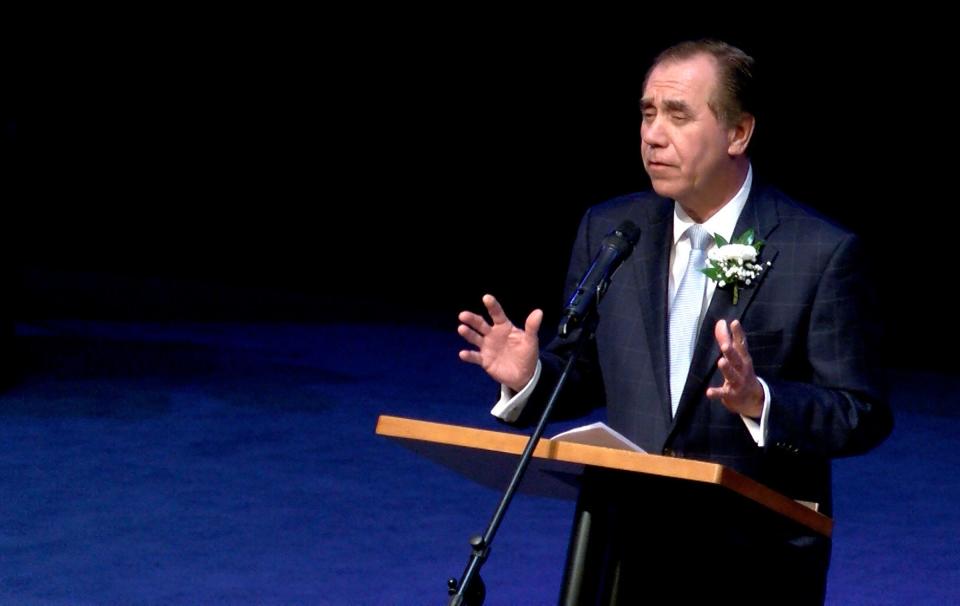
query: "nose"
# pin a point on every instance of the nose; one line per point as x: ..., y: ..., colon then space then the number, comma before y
x: 652, y: 133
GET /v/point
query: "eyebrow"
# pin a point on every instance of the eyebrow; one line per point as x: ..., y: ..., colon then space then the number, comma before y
x: 669, y: 105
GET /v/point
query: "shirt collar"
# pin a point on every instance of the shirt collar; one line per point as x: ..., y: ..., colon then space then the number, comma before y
x: 723, y: 222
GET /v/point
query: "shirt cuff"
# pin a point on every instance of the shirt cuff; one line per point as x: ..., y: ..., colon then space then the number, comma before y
x: 511, y: 404
x: 758, y: 431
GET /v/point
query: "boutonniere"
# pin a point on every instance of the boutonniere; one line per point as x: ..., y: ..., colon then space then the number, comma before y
x: 735, y: 263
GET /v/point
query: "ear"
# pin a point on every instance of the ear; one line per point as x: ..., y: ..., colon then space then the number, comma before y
x: 738, y: 135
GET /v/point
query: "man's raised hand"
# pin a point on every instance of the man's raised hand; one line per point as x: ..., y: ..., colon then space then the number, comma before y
x: 507, y: 353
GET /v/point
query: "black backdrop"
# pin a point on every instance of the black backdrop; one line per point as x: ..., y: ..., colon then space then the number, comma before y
x: 406, y: 164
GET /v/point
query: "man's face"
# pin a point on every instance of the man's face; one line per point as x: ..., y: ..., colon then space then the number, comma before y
x: 683, y: 145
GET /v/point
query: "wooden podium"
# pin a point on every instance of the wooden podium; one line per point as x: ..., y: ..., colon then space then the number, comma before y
x: 559, y: 468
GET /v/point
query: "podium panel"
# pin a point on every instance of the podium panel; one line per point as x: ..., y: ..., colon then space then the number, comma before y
x: 488, y: 457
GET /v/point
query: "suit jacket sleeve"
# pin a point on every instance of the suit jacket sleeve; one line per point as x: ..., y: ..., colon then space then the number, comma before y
x: 841, y: 408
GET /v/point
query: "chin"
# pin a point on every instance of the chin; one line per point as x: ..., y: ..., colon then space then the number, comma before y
x: 667, y: 190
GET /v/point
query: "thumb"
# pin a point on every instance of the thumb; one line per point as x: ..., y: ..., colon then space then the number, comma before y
x: 532, y: 325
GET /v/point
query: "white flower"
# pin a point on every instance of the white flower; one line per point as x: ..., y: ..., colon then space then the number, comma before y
x: 735, y: 263
x: 733, y: 252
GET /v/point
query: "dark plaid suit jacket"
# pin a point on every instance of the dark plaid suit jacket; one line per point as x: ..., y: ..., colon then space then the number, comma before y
x: 812, y: 331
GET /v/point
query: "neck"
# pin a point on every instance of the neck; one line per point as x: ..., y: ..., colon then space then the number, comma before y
x: 729, y: 184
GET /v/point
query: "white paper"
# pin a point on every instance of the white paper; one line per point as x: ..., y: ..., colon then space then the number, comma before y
x: 597, y: 434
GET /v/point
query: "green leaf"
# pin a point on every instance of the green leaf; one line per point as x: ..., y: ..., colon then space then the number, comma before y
x: 720, y: 240
x: 758, y: 244
x: 746, y: 238
x: 711, y: 272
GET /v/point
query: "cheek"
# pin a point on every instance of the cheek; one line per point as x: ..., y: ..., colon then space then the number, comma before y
x: 684, y: 151
x: 693, y: 152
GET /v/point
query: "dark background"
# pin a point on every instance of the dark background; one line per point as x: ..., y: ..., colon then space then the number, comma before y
x: 322, y: 167
x: 390, y: 166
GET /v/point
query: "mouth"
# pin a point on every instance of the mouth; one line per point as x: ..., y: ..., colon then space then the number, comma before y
x: 654, y: 165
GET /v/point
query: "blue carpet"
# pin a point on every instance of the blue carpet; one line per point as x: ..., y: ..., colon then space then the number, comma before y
x: 237, y: 464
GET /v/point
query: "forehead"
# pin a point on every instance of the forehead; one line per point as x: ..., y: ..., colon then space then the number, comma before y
x: 691, y: 80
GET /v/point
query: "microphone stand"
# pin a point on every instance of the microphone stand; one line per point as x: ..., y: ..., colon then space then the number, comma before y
x: 470, y: 590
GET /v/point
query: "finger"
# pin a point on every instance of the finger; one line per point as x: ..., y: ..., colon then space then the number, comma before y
x: 739, y: 346
x: 722, y: 394
x: 472, y: 336
x: 474, y: 321
x: 726, y: 339
x: 718, y: 393
x: 731, y: 374
x: 721, y: 334
x: 532, y: 325
x: 733, y: 356
x: 473, y: 357
x: 494, y: 309
x: 739, y: 336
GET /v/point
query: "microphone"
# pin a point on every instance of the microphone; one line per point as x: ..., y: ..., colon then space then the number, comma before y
x: 614, y: 249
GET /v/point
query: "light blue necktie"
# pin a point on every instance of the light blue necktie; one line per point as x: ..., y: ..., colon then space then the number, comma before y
x: 685, y: 313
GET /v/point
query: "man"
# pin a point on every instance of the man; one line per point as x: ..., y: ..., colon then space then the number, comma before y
x: 774, y: 385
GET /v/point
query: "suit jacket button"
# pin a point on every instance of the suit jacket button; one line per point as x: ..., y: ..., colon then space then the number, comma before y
x: 668, y: 452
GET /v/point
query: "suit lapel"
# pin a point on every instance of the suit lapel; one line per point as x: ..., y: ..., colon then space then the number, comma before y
x: 759, y: 214
x: 651, y: 264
